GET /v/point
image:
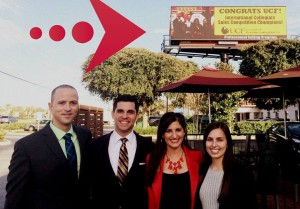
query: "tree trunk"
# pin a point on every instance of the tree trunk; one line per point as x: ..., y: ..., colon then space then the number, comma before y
x: 144, y: 112
x: 298, y: 118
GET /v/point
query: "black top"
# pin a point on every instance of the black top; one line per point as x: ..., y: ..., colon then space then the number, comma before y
x: 242, y: 189
x: 176, y: 191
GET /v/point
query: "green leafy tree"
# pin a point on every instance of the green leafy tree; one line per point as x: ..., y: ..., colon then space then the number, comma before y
x: 197, y: 102
x: 21, y: 112
x: 223, y: 106
x: 157, y: 107
x: 135, y: 71
x: 268, y: 57
x: 193, y: 101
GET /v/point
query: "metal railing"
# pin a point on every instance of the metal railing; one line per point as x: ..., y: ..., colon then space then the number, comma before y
x: 274, y: 176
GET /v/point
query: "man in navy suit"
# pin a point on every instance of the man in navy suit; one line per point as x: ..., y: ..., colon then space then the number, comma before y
x: 107, y: 191
x: 40, y: 176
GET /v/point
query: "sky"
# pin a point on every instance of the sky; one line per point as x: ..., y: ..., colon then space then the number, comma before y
x: 30, y: 69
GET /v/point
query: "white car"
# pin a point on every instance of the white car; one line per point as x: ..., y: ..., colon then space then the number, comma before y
x: 8, y: 119
x: 36, y: 126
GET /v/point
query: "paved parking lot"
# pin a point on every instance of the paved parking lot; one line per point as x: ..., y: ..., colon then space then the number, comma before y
x: 5, y: 156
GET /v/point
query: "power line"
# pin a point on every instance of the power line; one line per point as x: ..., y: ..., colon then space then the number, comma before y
x: 295, y: 36
x: 23, y: 80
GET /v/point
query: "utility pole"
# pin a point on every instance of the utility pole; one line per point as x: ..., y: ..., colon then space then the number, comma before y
x: 224, y: 57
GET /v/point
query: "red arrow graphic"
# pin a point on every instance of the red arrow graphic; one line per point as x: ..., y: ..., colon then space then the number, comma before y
x: 119, y: 32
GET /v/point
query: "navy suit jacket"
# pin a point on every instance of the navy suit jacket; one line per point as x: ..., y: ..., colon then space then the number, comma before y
x: 39, y: 176
x: 106, y: 192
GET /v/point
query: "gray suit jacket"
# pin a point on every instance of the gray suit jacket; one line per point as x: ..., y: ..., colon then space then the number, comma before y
x: 39, y: 176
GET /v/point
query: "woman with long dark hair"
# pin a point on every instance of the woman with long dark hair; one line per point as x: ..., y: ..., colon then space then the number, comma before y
x: 172, y: 168
x: 224, y: 184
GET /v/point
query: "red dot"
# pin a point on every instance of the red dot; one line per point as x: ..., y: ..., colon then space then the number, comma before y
x: 57, y: 33
x: 82, y: 32
x: 36, y: 33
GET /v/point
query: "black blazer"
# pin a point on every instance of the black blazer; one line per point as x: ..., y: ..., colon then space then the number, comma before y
x: 106, y: 192
x: 242, y: 191
x: 39, y: 176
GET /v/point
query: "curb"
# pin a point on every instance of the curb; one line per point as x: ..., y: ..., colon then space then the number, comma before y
x: 5, y: 142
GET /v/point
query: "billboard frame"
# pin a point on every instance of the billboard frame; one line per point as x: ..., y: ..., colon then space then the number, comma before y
x: 213, y: 46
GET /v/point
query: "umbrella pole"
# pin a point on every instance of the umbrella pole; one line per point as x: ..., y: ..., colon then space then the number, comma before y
x: 284, y: 112
x: 209, y: 112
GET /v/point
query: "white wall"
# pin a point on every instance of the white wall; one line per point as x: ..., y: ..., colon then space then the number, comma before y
x: 248, y: 113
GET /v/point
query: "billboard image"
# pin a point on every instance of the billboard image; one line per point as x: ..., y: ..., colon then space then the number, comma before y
x: 228, y: 23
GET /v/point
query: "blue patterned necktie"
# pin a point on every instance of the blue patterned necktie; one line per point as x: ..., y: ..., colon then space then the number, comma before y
x: 71, y: 153
x: 123, y: 162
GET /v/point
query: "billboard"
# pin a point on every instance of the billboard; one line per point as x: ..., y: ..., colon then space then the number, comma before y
x: 235, y: 23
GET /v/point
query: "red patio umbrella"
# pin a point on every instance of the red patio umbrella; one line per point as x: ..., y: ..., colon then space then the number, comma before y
x: 271, y: 91
x: 289, y: 80
x: 210, y: 80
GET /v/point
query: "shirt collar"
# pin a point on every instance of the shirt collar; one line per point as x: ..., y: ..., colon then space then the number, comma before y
x: 115, y: 137
x: 59, y: 133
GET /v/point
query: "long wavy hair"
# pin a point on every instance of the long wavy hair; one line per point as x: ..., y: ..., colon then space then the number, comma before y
x: 161, y: 146
x: 227, y: 160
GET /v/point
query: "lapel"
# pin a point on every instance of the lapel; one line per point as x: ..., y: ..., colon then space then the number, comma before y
x: 105, y: 155
x: 80, y: 138
x: 193, y: 167
x: 82, y: 141
x: 52, y: 143
x: 138, y: 152
x: 139, y: 159
x: 157, y: 184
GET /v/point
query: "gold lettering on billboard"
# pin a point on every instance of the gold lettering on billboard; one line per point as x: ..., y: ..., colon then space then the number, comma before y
x: 270, y: 22
x: 240, y: 11
x: 234, y: 22
x: 224, y: 22
x: 250, y: 11
x: 238, y: 17
x: 272, y: 10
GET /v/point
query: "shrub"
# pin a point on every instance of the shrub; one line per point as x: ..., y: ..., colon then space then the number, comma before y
x: 241, y: 127
x: 191, y: 128
x: 151, y: 130
x: 252, y: 127
x: 2, y: 134
x: 12, y: 126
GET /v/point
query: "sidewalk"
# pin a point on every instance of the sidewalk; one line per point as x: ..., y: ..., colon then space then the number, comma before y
x: 5, y: 142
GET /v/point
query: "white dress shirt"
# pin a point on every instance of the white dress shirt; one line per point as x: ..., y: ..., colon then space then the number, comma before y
x: 114, y: 149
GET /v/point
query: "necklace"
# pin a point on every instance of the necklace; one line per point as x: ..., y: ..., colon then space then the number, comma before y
x: 174, y: 166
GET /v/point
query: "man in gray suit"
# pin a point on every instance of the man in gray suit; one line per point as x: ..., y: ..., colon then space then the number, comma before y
x: 109, y: 190
x: 42, y: 173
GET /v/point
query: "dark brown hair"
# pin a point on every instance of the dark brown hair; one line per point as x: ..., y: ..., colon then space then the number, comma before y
x: 126, y: 98
x: 228, y: 156
x: 160, y: 146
